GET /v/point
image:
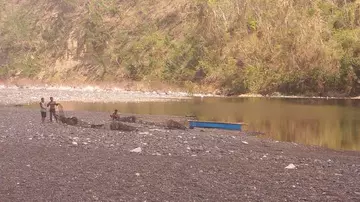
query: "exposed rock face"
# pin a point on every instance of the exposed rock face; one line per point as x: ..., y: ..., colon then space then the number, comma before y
x: 199, y: 75
x: 115, y: 125
x: 171, y: 124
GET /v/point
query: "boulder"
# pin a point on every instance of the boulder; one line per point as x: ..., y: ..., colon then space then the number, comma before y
x: 115, y: 125
x: 171, y: 124
x: 128, y: 119
x: 97, y: 126
x: 69, y: 121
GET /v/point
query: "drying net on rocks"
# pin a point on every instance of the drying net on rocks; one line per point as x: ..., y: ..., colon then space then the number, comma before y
x: 118, y: 124
x: 61, y: 110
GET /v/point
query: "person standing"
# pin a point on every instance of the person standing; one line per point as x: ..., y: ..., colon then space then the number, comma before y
x: 115, y: 115
x: 52, y: 104
x: 43, y: 110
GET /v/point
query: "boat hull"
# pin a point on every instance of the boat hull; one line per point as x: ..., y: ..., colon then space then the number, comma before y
x: 217, y: 125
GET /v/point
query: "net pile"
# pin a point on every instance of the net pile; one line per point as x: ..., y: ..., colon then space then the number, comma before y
x: 61, y: 110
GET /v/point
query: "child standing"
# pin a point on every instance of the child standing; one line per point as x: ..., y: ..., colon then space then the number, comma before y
x: 42, y: 110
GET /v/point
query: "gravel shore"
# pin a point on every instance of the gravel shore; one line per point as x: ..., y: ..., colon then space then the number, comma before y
x: 56, y: 162
x: 16, y: 95
x: 10, y: 95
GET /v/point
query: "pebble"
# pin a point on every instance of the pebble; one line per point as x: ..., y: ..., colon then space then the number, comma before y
x: 178, y: 145
x: 136, y: 150
x: 291, y: 166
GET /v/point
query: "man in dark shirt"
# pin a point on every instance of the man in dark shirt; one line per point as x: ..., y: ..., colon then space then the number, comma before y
x: 52, y: 104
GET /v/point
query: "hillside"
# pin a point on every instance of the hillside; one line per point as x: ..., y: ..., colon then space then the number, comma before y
x: 229, y: 46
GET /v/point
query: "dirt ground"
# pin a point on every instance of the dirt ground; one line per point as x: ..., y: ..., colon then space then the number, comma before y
x: 56, y: 162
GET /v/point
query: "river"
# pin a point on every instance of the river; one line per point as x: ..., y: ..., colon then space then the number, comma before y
x: 331, y: 123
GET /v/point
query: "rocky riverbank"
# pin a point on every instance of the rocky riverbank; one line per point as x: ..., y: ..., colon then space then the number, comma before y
x: 10, y: 95
x: 17, y: 95
x: 57, y: 162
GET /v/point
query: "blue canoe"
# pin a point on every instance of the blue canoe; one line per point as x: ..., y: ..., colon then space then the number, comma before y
x: 218, y: 125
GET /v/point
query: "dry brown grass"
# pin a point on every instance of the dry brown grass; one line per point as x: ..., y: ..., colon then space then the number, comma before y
x: 257, y: 46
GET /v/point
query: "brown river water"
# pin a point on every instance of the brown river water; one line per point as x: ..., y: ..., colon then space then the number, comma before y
x: 329, y: 123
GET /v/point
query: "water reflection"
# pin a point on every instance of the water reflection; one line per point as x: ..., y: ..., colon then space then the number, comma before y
x: 330, y: 123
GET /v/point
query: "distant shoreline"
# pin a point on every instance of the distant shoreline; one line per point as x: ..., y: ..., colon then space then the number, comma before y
x: 15, y: 95
x: 25, y: 94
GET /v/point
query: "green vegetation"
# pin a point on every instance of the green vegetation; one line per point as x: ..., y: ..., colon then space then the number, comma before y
x: 309, y: 47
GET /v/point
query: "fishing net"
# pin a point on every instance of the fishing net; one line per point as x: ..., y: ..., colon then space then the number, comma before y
x: 61, y: 110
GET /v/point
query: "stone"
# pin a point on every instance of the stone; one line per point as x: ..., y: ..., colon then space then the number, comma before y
x: 97, y: 126
x: 171, y: 124
x: 290, y: 166
x: 69, y: 121
x: 136, y: 150
x: 128, y: 119
x: 121, y: 126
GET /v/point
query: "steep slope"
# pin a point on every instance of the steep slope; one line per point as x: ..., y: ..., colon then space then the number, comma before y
x: 257, y: 46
